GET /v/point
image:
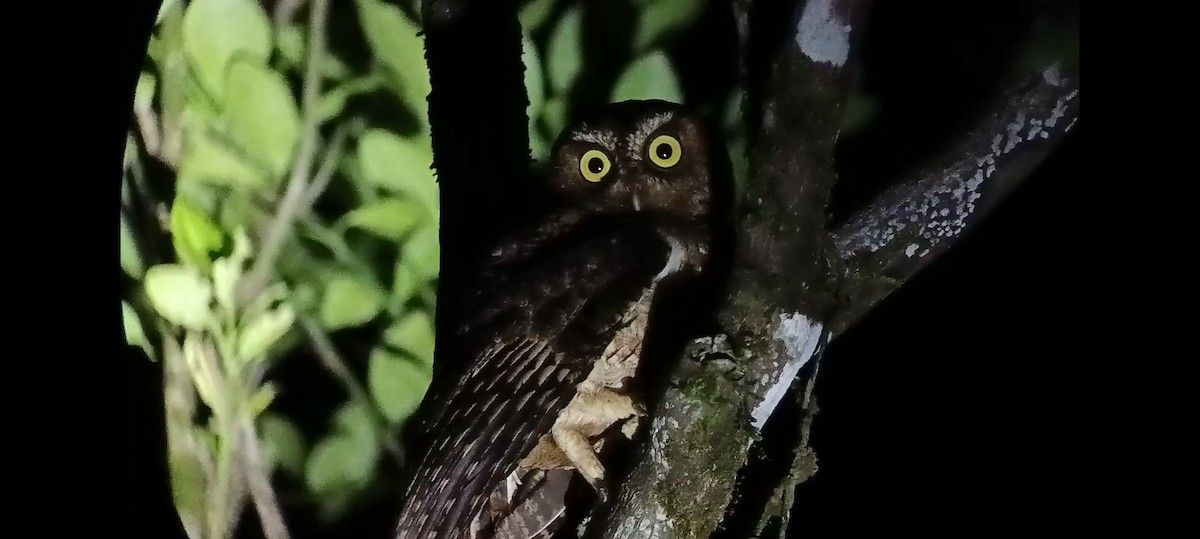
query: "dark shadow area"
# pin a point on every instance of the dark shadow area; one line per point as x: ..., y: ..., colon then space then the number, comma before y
x: 942, y: 410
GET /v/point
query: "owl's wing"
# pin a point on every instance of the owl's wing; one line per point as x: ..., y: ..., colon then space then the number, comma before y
x: 541, y: 321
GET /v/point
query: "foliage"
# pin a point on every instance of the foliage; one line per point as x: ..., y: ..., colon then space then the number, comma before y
x: 221, y: 105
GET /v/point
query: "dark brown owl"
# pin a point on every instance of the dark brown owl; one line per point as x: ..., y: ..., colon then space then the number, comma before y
x: 556, y: 317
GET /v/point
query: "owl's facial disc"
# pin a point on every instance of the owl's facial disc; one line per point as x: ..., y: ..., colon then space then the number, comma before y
x: 648, y: 157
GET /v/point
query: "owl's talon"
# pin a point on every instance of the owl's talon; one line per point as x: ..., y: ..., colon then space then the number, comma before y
x: 601, y: 488
x: 631, y: 426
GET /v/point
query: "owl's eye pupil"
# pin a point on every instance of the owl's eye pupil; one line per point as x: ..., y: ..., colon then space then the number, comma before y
x: 663, y: 151
x: 595, y: 165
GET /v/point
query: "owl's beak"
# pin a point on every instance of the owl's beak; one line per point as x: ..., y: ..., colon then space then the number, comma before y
x: 637, y: 204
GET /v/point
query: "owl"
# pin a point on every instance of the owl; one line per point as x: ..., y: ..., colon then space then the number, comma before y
x: 555, y: 319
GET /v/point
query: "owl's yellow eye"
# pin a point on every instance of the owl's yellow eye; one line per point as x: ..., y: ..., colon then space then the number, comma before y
x: 594, y: 165
x: 665, y: 151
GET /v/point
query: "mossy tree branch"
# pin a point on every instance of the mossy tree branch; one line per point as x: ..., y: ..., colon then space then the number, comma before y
x: 782, y: 285
x: 795, y: 281
x: 908, y: 226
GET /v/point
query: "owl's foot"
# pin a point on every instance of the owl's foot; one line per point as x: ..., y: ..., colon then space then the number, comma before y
x: 587, y: 416
x: 630, y: 427
x: 578, y: 449
x: 601, y: 488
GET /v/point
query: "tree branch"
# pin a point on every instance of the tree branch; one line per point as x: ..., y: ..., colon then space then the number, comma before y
x: 780, y: 291
x: 333, y: 362
x: 291, y: 205
x: 261, y: 492
x: 790, y: 276
x: 324, y: 174
x: 480, y: 146
x: 911, y: 224
x: 284, y: 11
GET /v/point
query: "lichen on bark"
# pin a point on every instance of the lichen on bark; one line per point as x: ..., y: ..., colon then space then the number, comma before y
x: 787, y: 263
x: 678, y: 489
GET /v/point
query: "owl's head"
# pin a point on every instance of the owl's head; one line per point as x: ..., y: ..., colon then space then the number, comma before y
x: 637, y: 156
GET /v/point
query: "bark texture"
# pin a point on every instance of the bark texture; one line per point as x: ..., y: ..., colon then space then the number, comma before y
x: 911, y: 224
x: 796, y: 281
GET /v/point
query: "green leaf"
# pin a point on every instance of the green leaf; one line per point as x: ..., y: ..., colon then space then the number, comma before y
x: 338, y: 463
x: 180, y: 294
x: 535, y: 13
x: 350, y: 300
x: 263, y: 331
x: 394, y: 40
x: 399, y: 165
x: 163, y: 9
x: 156, y: 50
x: 414, y: 334
x: 334, y: 505
x: 188, y: 483
x: 262, y: 115
x: 356, y: 420
x: 539, y: 148
x: 131, y: 260
x: 333, y: 101
x: 333, y: 68
x: 261, y: 399
x: 429, y: 296
x: 554, y: 116
x: 422, y: 252
x: 404, y: 285
x: 270, y: 298
x: 193, y: 234
x: 227, y: 271
x: 534, y: 83
x: 662, y: 19
x: 648, y: 77
x: 216, y: 31
x: 207, y: 159
x: 350, y: 168
x: 397, y: 384
x: 345, y: 460
x: 564, y: 52
x: 134, y: 334
x: 198, y: 104
x: 202, y: 366
x: 289, y: 40
x: 283, y: 445
x: 129, y: 158
x: 389, y: 218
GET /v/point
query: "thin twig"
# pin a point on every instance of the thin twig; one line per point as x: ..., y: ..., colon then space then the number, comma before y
x: 285, y: 11
x: 147, y: 123
x: 293, y: 197
x: 330, y: 358
x: 269, y: 513
x: 332, y: 361
x: 329, y: 161
x: 223, y: 499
